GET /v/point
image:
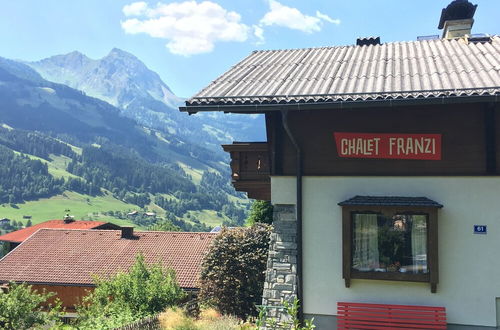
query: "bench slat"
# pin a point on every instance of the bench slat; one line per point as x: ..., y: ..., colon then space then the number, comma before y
x: 395, y: 316
x: 395, y: 321
x: 380, y: 316
x: 388, y: 326
x: 382, y: 306
x: 390, y: 314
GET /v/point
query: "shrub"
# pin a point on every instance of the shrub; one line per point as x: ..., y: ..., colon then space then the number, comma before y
x: 126, y: 297
x: 233, y: 270
x: 261, y: 211
x: 21, y: 308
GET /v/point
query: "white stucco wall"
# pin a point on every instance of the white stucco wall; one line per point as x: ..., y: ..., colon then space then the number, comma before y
x: 469, y: 264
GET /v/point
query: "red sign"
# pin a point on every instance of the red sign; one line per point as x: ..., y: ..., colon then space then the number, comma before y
x: 389, y: 146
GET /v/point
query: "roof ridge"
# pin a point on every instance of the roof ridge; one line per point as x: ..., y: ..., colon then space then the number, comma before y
x: 440, y: 40
x: 118, y: 230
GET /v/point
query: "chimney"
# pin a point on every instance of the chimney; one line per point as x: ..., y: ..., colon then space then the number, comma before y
x: 368, y: 41
x: 68, y: 218
x: 127, y: 232
x: 457, y: 19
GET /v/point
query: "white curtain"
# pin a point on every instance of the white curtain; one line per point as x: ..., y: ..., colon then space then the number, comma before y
x: 366, y: 256
x: 419, y: 243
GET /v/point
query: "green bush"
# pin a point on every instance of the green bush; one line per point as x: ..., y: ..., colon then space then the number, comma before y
x: 233, y: 270
x: 261, y: 211
x: 21, y: 308
x: 127, y: 297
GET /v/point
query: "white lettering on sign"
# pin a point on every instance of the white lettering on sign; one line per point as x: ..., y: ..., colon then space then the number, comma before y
x: 411, y: 146
x: 359, y: 146
x: 389, y: 145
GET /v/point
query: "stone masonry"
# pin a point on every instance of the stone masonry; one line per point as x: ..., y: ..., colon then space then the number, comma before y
x: 281, y: 274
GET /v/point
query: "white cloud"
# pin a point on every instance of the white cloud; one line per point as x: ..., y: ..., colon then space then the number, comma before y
x: 135, y: 9
x: 190, y: 27
x: 292, y: 18
x: 327, y: 18
x: 258, y: 32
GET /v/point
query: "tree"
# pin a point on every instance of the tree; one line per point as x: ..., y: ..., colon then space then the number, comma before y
x: 21, y: 308
x: 232, y: 276
x: 165, y: 225
x: 29, y: 224
x: 144, y: 290
x: 261, y: 211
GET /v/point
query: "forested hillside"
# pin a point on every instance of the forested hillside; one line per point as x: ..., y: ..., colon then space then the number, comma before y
x: 54, y: 139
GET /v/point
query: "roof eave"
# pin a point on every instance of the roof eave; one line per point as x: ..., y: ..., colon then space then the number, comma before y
x: 260, y: 108
x: 10, y: 241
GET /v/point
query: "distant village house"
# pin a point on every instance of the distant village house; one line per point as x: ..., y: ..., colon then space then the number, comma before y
x: 13, y: 239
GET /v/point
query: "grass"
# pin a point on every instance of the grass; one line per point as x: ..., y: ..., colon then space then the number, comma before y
x: 196, y: 174
x: 208, y: 217
x: 209, y: 319
x: 56, y: 166
x: 81, y: 206
x: 239, y: 200
x: 76, y: 150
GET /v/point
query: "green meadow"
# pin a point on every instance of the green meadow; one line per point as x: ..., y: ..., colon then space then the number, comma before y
x: 82, y: 207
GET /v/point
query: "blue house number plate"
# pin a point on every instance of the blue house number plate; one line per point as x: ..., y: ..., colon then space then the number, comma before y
x: 480, y: 229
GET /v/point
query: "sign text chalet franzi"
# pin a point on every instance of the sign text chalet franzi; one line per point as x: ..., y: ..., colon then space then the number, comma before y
x: 388, y: 145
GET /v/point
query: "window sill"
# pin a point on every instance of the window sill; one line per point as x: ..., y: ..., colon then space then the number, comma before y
x: 390, y: 276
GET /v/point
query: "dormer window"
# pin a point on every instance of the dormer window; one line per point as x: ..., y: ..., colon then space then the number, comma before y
x: 390, y: 238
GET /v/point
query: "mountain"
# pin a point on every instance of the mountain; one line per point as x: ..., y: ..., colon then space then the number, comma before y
x: 55, y: 138
x: 122, y: 80
x: 119, y: 78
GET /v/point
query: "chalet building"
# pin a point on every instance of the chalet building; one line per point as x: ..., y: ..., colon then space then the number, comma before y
x: 13, y: 239
x: 64, y: 261
x: 383, y: 164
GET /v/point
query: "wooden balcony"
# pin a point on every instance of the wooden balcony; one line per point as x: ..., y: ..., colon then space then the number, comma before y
x: 250, y: 168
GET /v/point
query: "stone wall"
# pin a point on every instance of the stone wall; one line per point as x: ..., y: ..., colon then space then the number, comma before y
x: 281, y: 274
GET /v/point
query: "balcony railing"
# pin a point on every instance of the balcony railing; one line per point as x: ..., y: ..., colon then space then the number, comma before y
x: 250, y: 168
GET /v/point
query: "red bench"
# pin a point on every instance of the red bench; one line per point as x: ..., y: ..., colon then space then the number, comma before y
x: 378, y: 316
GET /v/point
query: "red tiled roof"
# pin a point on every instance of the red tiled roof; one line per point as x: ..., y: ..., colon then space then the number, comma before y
x: 72, y: 257
x: 20, y: 235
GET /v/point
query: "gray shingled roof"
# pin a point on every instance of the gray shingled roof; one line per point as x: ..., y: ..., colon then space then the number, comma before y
x: 390, y: 201
x: 392, y: 71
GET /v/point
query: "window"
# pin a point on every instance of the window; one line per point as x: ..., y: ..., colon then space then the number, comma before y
x: 390, y: 238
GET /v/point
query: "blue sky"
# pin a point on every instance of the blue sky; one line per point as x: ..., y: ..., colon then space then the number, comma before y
x: 190, y: 43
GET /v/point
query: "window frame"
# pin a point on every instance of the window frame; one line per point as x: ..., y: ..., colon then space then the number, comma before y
x: 348, y: 273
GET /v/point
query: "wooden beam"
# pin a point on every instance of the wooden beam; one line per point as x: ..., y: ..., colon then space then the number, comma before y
x: 490, y: 138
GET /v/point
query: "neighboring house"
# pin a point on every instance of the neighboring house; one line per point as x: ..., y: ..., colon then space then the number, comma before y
x: 218, y: 229
x: 65, y: 261
x: 383, y: 165
x: 17, y: 237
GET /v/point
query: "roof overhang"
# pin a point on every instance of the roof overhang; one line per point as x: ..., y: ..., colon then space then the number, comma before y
x: 234, y: 106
